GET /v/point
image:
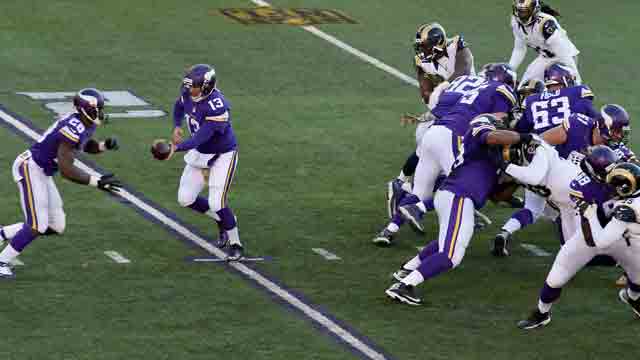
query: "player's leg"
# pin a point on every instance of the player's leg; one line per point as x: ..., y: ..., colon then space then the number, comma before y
x: 535, y: 70
x: 534, y: 205
x: 572, y: 257
x: 32, y: 184
x: 627, y: 253
x: 9, y: 231
x: 57, y: 217
x: 192, y: 182
x: 220, y: 180
x: 572, y: 62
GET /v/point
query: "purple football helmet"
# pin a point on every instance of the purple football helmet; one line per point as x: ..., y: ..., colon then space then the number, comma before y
x: 599, y: 161
x: 614, y: 124
x: 559, y: 74
x: 200, y: 76
x: 500, y: 72
x: 89, y: 103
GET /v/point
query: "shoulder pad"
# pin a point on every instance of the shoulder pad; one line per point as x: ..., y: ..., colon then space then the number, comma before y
x: 625, y: 213
x: 549, y: 27
x: 508, y: 93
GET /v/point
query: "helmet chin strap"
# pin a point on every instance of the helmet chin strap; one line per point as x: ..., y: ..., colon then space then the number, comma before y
x: 95, y: 121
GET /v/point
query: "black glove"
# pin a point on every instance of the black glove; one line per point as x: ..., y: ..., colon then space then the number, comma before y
x: 525, y: 138
x: 111, y: 143
x: 496, y: 157
x: 109, y: 183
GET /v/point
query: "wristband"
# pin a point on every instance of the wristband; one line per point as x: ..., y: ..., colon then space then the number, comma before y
x: 93, y: 181
x: 102, y: 146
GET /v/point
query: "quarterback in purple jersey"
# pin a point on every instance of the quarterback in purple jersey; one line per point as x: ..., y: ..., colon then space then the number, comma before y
x: 33, y: 171
x: 212, y: 150
x: 473, y: 176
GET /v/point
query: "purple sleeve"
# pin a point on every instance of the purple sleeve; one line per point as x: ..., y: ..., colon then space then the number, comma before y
x: 524, y: 125
x: 178, y: 112
x: 203, y: 134
x: 502, y: 104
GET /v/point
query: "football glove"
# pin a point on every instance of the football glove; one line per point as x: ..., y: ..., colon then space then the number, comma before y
x: 111, y: 143
x: 109, y: 183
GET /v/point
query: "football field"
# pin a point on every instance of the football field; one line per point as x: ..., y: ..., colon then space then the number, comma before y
x: 316, y: 112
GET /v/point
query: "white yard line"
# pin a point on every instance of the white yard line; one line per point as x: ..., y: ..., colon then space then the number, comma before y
x: 353, y: 51
x: 308, y: 311
x: 326, y: 254
x: 535, y: 250
x: 216, y: 260
x: 117, y: 257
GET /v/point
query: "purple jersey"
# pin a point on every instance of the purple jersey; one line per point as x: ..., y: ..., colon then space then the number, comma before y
x: 551, y: 108
x: 623, y: 152
x: 69, y: 129
x: 473, y: 175
x: 579, y: 130
x: 594, y: 192
x: 209, y: 122
x: 450, y: 96
x: 479, y: 98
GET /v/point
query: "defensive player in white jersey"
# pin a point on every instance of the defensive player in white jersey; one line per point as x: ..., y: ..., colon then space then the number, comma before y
x: 33, y: 172
x: 534, y: 25
x: 619, y: 239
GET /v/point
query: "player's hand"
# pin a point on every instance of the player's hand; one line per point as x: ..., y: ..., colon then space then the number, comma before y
x: 586, y: 209
x: 177, y: 135
x: 109, y: 183
x: 111, y: 143
x: 408, y: 119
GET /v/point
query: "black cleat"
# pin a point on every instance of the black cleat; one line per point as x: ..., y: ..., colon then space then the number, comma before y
x: 384, y: 238
x: 401, y: 274
x: 235, y: 253
x: 414, y: 215
x: 536, y: 319
x: 634, y: 304
x: 501, y: 244
x: 403, y: 293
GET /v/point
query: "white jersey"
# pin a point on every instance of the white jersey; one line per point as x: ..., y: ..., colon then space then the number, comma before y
x: 445, y: 66
x: 544, y: 35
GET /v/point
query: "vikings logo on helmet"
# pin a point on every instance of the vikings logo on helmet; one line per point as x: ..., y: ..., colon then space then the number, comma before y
x: 559, y: 74
x: 201, y: 76
x: 625, y: 178
x: 431, y: 41
x: 614, y: 123
x: 526, y: 10
x: 90, y: 104
x: 600, y: 160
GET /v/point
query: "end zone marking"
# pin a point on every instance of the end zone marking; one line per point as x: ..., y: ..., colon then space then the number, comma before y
x: 326, y: 254
x: 326, y: 322
x: 117, y: 257
x: 535, y: 250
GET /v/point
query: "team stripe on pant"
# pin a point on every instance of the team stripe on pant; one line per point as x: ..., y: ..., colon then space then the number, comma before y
x: 456, y: 145
x: 455, y: 218
x: 227, y: 183
x: 29, y: 201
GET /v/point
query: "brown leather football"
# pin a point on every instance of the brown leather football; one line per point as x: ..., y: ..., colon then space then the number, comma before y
x: 161, y: 149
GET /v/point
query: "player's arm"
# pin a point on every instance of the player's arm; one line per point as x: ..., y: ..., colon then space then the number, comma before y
x: 96, y: 147
x: 557, y: 135
x: 211, y: 125
x: 426, y: 85
x: 66, y: 157
x: 178, y: 116
x: 464, y: 60
x: 558, y: 44
x: 505, y: 137
x: 534, y: 173
x: 615, y: 229
x: 519, y: 49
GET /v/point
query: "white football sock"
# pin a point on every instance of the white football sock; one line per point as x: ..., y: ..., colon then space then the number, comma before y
x: 544, y: 307
x: 393, y: 227
x: 8, y: 254
x: 234, y: 238
x: 512, y: 226
x: 10, y: 231
x: 413, y: 279
x: 633, y: 295
x: 413, y: 263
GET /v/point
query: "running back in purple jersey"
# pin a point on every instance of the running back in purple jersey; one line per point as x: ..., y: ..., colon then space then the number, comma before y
x: 579, y: 130
x: 549, y: 109
x: 488, y: 97
x: 69, y: 129
x: 209, y: 122
x: 458, y: 88
x: 473, y: 175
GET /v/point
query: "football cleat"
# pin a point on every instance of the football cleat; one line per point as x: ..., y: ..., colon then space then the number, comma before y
x: 222, y: 241
x: 413, y: 214
x: 536, y: 319
x: 501, y: 243
x: 401, y: 273
x: 635, y: 304
x: 481, y: 220
x: 5, y: 271
x: 403, y: 293
x: 384, y: 238
x: 235, y: 253
x: 394, y: 189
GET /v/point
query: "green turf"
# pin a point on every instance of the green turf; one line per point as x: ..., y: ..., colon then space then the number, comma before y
x: 319, y: 136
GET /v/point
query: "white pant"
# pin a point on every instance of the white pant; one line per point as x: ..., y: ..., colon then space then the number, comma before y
x: 455, y: 223
x: 535, y: 70
x: 39, y: 196
x: 221, y: 173
x: 575, y: 254
x: 436, y: 154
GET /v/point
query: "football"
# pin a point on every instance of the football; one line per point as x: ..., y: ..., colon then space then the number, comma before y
x: 161, y: 149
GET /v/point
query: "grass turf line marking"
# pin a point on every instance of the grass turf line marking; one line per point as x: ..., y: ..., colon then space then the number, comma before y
x: 326, y: 254
x: 342, y: 333
x: 216, y: 260
x: 535, y: 250
x: 350, y: 49
x: 117, y: 257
